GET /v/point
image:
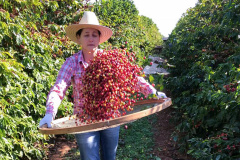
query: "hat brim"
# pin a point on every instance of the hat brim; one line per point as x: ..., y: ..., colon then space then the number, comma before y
x: 71, y: 31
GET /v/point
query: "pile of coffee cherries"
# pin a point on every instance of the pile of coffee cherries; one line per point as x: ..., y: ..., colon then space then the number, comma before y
x: 109, y: 84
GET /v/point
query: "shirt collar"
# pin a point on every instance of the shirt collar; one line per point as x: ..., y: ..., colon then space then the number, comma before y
x: 81, y: 59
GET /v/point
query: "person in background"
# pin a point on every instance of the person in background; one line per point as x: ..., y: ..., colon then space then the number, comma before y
x: 88, y: 34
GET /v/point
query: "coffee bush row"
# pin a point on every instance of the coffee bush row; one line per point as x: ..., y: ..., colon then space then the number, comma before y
x: 205, y: 50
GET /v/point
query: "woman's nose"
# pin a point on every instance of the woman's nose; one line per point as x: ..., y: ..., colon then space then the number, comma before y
x: 91, y: 38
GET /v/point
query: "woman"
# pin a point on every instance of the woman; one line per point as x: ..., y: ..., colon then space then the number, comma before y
x: 89, y: 34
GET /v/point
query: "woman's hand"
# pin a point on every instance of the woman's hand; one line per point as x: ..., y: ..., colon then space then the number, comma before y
x: 161, y: 95
x: 47, y: 119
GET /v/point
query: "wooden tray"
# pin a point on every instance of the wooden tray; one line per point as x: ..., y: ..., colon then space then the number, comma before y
x: 141, y: 109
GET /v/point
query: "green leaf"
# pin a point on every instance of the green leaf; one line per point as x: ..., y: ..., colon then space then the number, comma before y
x: 151, y: 79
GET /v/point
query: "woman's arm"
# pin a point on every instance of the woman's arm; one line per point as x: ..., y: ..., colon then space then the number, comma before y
x: 58, y: 91
x: 147, y: 89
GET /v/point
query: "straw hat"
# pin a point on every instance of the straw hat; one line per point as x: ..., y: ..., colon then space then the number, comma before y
x: 89, y: 20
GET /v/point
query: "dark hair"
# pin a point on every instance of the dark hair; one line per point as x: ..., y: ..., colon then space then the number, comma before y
x: 79, y: 32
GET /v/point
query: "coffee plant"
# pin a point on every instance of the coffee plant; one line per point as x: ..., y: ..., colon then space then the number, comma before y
x: 205, y: 50
x: 33, y: 46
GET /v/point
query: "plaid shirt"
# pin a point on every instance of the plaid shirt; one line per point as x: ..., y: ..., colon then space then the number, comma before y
x: 70, y: 73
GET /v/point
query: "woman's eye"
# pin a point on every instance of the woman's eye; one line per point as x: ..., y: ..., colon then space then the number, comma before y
x: 86, y: 35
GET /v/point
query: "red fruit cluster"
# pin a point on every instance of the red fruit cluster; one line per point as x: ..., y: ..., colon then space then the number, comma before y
x: 223, y: 136
x: 108, y: 85
x: 231, y: 87
x: 196, y: 125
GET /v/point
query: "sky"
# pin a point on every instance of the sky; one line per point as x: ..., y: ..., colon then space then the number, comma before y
x: 164, y: 13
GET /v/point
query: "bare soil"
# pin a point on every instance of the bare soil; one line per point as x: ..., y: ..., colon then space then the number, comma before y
x: 165, y: 147
x: 60, y: 146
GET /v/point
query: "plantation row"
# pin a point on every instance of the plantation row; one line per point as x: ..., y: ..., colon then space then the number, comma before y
x: 32, y: 49
x: 205, y: 82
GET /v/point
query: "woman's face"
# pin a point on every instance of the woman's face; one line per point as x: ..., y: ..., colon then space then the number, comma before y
x: 89, y: 39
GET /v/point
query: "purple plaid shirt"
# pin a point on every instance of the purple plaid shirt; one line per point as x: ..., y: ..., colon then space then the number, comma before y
x: 70, y: 73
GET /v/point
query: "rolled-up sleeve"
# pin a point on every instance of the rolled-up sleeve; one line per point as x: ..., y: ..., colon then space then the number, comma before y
x: 144, y: 87
x: 58, y: 90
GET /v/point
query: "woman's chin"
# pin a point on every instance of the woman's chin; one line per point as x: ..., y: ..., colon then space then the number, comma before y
x: 93, y: 48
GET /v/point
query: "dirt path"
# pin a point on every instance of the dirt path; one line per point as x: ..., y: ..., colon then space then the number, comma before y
x: 165, y: 147
x: 60, y: 146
